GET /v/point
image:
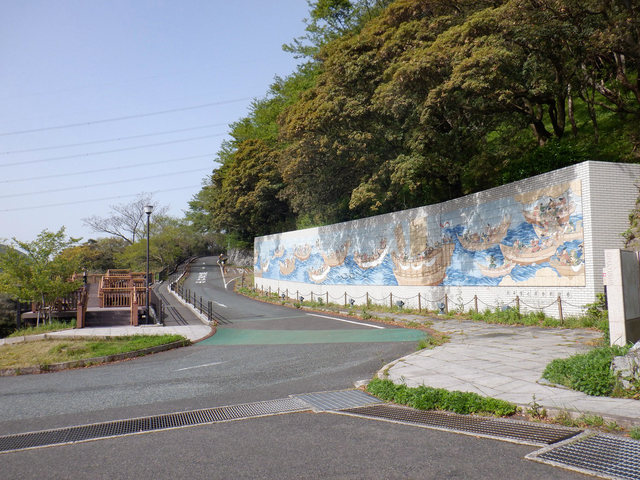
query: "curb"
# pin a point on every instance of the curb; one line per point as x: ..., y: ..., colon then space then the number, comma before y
x: 57, y: 367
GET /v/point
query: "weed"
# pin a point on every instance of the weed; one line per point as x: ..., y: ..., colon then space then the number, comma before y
x: 589, y: 372
x: 635, y: 433
x: 428, y: 398
x: 536, y: 410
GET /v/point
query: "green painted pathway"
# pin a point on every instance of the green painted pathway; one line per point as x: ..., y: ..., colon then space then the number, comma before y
x: 230, y: 336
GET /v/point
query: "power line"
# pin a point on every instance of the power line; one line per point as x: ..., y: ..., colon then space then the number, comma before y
x: 80, y: 155
x: 112, y: 139
x: 138, y: 165
x: 115, y: 182
x: 104, y: 199
x: 129, y: 117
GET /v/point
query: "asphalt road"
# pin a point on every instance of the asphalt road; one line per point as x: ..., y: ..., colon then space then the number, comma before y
x: 262, y: 352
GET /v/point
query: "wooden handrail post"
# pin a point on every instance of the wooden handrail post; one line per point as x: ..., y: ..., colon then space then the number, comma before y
x: 134, y: 309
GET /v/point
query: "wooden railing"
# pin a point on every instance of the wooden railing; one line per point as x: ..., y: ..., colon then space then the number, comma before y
x: 117, y: 286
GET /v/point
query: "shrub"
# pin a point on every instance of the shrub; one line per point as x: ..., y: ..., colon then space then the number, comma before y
x: 589, y: 372
x: 428, y: 398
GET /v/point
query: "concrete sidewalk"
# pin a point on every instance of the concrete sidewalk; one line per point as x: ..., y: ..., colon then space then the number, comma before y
x: 507, y: 362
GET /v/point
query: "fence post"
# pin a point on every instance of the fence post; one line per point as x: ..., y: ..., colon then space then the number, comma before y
x: 517, y: 302
x: 446, y: 304
x: 327, y: 298
x: 269, y: 290
x: 345, y: 299
x: 390, y: 299
x: 475, y: 298
x: 311, y: 296
x: 367, y: 300
x: 560, y: 310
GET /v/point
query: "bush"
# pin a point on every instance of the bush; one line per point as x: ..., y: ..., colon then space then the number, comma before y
x: 589, y: 372
x: 428, y: 398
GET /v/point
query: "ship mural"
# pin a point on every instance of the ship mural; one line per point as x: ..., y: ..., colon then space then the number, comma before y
x: 425, y: 263
x: 374, y: 259
x: 534, y: 237
x: 490, y: 236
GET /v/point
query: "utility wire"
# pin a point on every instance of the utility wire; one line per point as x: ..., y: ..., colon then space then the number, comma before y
x: 129, y: 117
x: 110, y: 151
x: 115, y: 182
x: 113, y: 139
x: 104, y: 199
x: 138, y: 165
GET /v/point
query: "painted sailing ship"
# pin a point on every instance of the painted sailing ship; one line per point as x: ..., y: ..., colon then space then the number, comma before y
x: 336, y: 258
x: 554, y: 212
x: 372, y: 260
x: 302, y: 252
x: 567, y: 270
x: 496, y: 271
x: 491, y: 236
x: 319, y: 275
x: 568, y: 264
x: 425, y: 264
x: 278, y: 252
x: 561, y: 233
x: 529, y: 255
x: 287, y: 266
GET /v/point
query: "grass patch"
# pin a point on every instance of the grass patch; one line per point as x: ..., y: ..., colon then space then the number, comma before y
x: 428, y: 398
x: 54, y: 326
x: 432, y: 341
x: 589, y: 372
x: 45, y: 352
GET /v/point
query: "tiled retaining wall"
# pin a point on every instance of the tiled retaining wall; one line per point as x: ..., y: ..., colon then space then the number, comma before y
x: 530, y: 242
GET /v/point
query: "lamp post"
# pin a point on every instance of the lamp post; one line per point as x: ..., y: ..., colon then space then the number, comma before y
x: 148, y: 209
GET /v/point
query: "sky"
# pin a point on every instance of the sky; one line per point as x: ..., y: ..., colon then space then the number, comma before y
x: 103, y: 100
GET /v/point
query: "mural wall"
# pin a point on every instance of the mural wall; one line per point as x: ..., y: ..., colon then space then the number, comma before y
x: 533, y: 238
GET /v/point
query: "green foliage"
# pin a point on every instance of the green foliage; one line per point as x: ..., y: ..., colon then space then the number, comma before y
x: 428, y: 398
x: 7, y: 315
x: 635, y: 433
x: 589, y: 373
x: 415, y: 102
x: 36, y: 270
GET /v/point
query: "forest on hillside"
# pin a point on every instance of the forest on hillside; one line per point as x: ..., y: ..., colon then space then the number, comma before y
x: 399, y: 104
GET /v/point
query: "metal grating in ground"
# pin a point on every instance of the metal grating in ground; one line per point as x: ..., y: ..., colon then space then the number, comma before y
x: 511, y: 430
x: 338, y: 400
x: 61, y: 436
x: 601, y: 455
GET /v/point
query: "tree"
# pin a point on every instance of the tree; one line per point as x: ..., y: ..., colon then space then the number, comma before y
x: 36, y: 271
x: 97, y: 256
x: 172, y: 240
x: 332, y: 19
x: 127, y: 219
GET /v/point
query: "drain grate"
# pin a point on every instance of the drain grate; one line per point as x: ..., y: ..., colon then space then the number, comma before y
x: 513, y: 430
x: 338, y: 400
x: 117, y: 428
x: 615, y: 457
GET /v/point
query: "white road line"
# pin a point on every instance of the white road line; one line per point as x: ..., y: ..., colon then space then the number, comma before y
x: 198, y: 366
x: 234, y: 278
x: 346, y: 321
x: 221, y: 304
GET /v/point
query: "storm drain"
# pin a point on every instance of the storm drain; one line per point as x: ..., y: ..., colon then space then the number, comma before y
x: 338, y: 400
x: 601, y: 455
x: 512, y: 430
x: 132, y: 426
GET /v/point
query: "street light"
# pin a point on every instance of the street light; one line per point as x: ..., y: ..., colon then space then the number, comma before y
x: 148, y: 209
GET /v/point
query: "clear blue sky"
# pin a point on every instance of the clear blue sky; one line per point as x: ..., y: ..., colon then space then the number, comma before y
x: 73, y: 70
